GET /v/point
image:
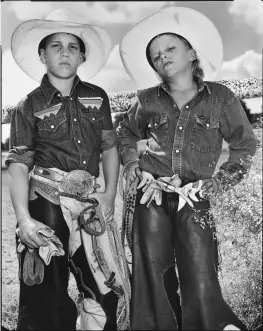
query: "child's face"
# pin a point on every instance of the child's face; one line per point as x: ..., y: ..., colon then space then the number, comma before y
x: 62, y: 55
x: 170, y: 55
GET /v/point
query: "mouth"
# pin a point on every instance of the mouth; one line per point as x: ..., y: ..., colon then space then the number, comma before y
x: 64, y: 64
x: 167, y: 64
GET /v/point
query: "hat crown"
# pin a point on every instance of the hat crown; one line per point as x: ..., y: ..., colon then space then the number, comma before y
x: 65, y: 15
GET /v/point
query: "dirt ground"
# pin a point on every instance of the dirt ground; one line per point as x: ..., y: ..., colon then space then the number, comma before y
x: 10, y: 291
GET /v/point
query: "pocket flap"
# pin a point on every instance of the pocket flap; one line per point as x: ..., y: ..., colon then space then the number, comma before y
x: 207, y: 123
x: 157, y: 121
x: 92, y: 116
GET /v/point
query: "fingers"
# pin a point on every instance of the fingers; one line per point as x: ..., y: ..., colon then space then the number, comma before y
x: 210, y: 187
x: 146, y: 178
x: 30, y: 239
x: 138, y: 173
x: 195, y: 184
x: 33, y: 242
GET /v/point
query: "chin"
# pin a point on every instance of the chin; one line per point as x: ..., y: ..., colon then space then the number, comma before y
x: 65, y: 75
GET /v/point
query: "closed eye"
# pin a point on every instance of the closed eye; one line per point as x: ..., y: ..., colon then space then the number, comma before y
x: 171, y: 48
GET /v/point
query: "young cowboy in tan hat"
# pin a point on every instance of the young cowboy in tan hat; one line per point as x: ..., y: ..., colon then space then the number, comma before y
x: 57, y: 134
x: 184, y: 120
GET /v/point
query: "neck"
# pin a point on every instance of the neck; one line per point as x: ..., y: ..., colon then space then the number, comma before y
x: 63, y: 85
x: 181, y: 83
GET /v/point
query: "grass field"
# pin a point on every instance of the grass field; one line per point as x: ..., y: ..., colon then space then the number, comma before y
x: 10, y: 291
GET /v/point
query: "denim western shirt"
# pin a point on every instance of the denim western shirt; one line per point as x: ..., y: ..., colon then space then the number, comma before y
x: 186, y: 141
x: 67, y: 133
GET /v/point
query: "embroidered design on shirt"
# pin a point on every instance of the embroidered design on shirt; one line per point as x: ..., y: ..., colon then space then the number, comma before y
x: 47, y: 112
x: 91, y: 103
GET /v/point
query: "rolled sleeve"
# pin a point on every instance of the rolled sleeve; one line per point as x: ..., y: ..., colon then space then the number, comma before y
x: 109, y: 139
x: 238, y: 132
x: 130, y: 131
x: 21, y: 136
x: 105, y: 108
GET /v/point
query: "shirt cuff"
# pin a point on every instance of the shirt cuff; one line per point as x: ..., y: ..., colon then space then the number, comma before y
x: 129, y: 155
x: 20, y: 155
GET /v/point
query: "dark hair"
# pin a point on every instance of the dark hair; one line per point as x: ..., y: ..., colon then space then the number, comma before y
x: 198, y: 72
x: 43, y: 44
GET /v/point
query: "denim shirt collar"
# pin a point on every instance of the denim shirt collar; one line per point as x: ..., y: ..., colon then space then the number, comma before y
x: 201, y: 86
x: 49, y: 90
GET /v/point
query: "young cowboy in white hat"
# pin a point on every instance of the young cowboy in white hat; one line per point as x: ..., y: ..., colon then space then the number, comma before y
x: 58, y: 133
x: 184, y: 120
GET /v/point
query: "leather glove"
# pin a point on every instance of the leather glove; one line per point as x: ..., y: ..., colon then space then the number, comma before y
x: 33, y: 266
x: 54, y: 247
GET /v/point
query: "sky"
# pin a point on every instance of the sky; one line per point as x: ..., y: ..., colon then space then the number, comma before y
x: 239, y: 23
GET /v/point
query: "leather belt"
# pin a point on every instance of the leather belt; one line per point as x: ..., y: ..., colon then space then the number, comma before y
x: 52, y: 182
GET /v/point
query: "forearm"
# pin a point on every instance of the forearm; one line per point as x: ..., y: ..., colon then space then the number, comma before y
x: 111, y: 168
x: 19, y: 190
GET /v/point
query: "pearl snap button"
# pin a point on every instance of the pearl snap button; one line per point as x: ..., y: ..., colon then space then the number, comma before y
x: 79, y: 141
x: 207, y: 125
x: 84, y: 162
x: 186, y: 107
x: 93, y: 118
x: 52, y: 126
x: 177, y: 151
x: 180, y: 127
x: 75, y: 120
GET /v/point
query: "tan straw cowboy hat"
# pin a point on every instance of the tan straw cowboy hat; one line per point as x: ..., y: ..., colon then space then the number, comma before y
x: 190, y: 24
x: 27, y: 36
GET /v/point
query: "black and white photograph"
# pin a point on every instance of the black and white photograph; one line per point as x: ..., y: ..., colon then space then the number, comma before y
x: 131, y: 160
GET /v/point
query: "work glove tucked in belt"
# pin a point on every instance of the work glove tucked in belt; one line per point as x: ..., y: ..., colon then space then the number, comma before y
x: 153, y: 189
x: 33, y: 266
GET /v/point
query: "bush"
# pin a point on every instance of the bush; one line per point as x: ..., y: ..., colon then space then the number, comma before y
x: 237, y: 213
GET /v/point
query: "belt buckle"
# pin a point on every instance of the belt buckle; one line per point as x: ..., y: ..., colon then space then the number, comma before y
x: 78, y: 182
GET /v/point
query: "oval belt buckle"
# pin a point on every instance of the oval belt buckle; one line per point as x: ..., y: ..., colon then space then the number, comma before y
x: 78, y: 182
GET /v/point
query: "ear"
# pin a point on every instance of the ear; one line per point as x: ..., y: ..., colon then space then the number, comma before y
x: 82, y: 58
x: 42, y: 56
x: 192, y: 55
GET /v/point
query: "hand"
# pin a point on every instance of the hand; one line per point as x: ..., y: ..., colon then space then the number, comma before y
x: 147, y: 177
x: 132, y: 171
x: 106, y: 202
x: 210, y: 187
x: 27, y: 233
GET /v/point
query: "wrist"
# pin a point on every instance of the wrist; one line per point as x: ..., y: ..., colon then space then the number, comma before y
x: 110, y: 193
x: 23, y: 217
x: 130, y: 165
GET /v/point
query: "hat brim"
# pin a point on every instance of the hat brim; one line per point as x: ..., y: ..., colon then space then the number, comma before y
x: 27, y: 36
x: 189, y: 23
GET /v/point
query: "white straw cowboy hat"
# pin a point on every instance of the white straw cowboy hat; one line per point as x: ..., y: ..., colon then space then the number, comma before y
x: 27, y: 36
x: 190, y: 24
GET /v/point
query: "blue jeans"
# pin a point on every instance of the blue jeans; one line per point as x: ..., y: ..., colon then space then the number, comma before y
x: 161, y: 235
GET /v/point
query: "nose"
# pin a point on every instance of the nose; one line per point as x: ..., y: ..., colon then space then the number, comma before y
x: 163, y: 56
x: 64, y: 52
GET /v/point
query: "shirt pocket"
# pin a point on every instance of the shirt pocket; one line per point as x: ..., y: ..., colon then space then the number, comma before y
x: 205, y: 135
x: 92, y: 123
x: 158, y: 131
x: 55, y: 127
